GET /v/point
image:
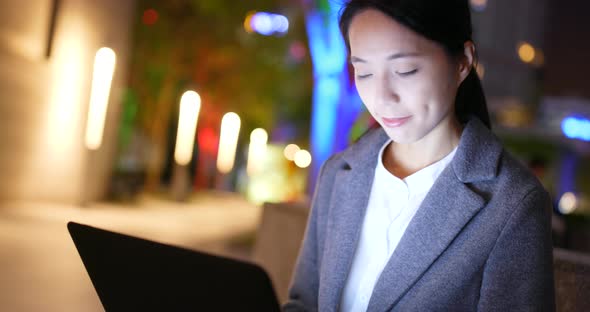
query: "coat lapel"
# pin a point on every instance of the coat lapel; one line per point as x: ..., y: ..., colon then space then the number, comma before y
x: 446, y: 209
x: 430, y: 232
x: 347, y: 210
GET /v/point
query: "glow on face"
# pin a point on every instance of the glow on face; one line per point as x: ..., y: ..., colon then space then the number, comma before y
x: 407, y: 82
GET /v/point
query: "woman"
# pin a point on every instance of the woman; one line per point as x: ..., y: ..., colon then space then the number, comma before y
x: 427, y: 212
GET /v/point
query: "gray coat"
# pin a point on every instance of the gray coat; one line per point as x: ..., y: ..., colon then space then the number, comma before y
x: 480, y: 241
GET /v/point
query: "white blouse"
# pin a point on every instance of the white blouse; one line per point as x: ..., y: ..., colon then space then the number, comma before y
x: 392, y: 205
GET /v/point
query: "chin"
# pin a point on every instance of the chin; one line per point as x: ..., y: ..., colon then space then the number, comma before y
x: 402, y: 137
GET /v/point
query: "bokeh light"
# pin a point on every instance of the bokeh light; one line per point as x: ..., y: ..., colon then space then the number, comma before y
x: 256, y: 150
x: 576, y: 128
x: 568, y: 203
x: 104, y: 68
x: 302, y: 159
x: 259, y: 135
x: 228, y: 142
x: 248, y: 22
x: 290, y: 151
x: 266, y: 23
x: 150, y: 17
x: 190, y: 105
x: 208, y: 140
x: 297, y: 50
x: 280, y: 23
x: 526, y: 52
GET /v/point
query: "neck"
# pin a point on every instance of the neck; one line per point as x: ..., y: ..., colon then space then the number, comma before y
x: 403, y: 160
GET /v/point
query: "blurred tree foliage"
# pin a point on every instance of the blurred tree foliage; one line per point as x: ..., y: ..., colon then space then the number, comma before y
x: 202, y: 45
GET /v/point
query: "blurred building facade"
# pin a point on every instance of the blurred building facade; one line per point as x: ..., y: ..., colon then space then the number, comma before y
x: 534, y: 72
x: 47, y: 50
x: 500, y: 27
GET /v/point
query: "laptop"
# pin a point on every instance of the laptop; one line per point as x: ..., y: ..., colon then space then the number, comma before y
x: 135, y: 274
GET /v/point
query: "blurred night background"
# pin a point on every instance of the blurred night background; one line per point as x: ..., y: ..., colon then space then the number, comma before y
x: 203, y: 123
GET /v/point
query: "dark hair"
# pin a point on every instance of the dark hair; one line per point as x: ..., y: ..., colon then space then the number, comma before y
x: 447, y: 22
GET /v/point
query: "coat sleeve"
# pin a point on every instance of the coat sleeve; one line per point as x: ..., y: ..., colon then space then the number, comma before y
x: 518, y: 275
x: 304, y: 288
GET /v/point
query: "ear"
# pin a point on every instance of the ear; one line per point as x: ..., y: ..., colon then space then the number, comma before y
x: 466, y: 62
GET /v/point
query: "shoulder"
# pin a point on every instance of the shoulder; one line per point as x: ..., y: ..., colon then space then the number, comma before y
x: 523, y: 196
x: 515, y: 193
x: 487, y: 168
x: 515, y: 175
x: 483, y: 162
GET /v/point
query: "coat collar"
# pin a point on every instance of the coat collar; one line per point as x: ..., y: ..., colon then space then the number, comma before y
x: 435, y: 225
x: 477, y: 156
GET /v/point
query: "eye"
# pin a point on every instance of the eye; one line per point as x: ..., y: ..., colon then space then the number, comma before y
x: 408, y: 73
x: 363, y: 76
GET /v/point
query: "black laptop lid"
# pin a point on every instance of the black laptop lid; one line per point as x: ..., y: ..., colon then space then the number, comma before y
x: 134, y: 274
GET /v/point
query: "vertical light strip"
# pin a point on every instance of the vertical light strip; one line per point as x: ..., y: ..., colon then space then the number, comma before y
x: 104, y: 67
x: 190, y: 106
x: 65, y: 115
x: 256, y: 150
x: 333, y: 108
x: 228, y: 142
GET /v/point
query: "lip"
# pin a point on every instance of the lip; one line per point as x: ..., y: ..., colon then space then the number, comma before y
x: 394, y: 122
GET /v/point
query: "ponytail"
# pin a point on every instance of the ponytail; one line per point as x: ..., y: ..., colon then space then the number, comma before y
x: 471, y: 101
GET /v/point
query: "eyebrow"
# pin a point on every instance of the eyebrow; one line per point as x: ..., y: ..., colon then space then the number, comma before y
x: 354, y: 59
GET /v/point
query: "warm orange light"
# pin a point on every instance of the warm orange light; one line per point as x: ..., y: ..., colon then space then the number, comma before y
x: 526, y: 52
x: 190, y: 105
x: 104, y: 67
x: 71, y: 72
x: 248, y: 21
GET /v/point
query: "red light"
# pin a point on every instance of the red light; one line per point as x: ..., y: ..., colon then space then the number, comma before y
x: 297, y: 50
x: 150, y: 17
x: 208, y: 141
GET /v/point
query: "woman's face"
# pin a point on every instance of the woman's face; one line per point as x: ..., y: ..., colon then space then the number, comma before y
x: 407, y: 82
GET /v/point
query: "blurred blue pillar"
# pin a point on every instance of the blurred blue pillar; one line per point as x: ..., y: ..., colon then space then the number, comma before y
x: 334, y: 107
x: 567, y: 176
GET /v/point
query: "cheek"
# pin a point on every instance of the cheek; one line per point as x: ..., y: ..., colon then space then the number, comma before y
x: 365, y: 94
x: 447, y: 86
x: 445, y: 95
x: 432, y: 94
x: 415, y: 96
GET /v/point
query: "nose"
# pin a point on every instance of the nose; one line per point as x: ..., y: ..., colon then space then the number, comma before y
x: 385, y: 91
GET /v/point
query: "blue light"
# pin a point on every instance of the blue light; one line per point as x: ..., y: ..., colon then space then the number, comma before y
x: 324, y: 119
x: 576, y: 128
x: 268, y: 24
x: 262, y: 23
x: 335, y: 105
x: 328, y: 54
x: 280, y: 23
x: 327, y: 47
